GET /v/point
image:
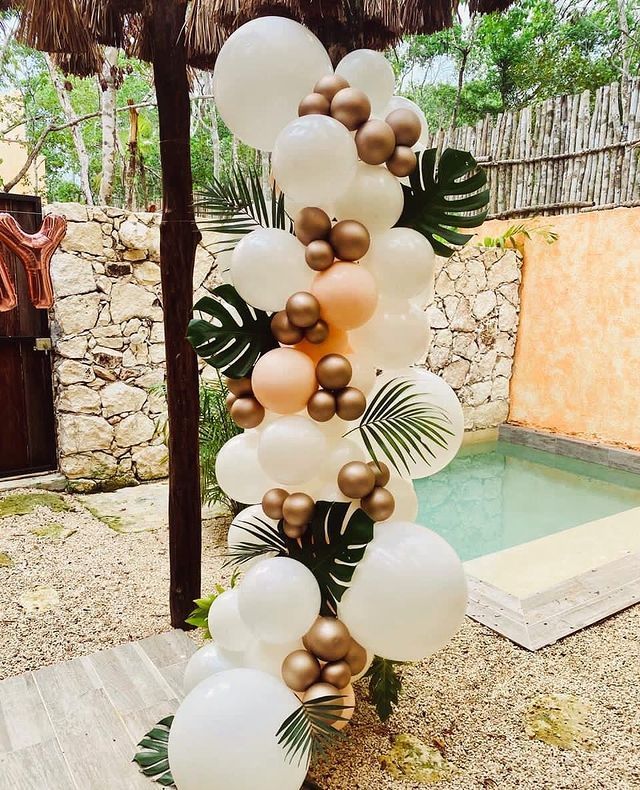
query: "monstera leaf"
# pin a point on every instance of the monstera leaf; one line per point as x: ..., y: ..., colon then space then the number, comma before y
x: 385, y: 686
x: 432, y: 202
x: 332, y: 547
x: 236, y: 335
x: 153, y: 757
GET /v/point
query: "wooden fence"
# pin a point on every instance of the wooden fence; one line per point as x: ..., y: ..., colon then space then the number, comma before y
x: 568, y: 154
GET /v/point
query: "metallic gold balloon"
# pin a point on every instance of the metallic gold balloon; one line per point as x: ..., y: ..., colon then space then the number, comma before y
x: 321, y: 406
x: 317, y: 333
x: 247, y: 412
x: 239, y: 387
x: 381, y: 471
x: 284, y: 331
x: 406, y: 125
x: 297, y: 509
x: 303, y: 309
x: 356, y: 657
x: 300, y: 670
x: 356, y: 480
x: 319, y: 690
x: 350, y: 240
x: 230, y: 400
x: 319, y: 255
x: 351, y: 107
x: 294, y: 531
x: 328, y: 639
x: 338, y: 673
x: 350, y: 403
x: 403, y: 162
x: 334, y: 372
x: 375, y: 141
x: 379, y: 504
x: 314, y: 104
x: 312, y: 223
x: 328, y: 86
x: 272, y: 502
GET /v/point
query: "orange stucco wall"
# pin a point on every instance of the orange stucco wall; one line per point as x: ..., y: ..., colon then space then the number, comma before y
x: 577, y: 360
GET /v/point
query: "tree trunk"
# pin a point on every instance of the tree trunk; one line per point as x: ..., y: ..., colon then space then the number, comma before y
x: 132, y: 167
x: 461, y: 70
x: 108, y: 120
x: 179, y: 238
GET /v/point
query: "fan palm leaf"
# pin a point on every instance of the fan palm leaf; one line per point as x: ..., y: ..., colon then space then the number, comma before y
x: 308, y: 732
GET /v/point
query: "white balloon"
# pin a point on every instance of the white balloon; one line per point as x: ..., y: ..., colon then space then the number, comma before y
x: 372, y: 73
x: 268, y: 657
x: 314, y: 159
x: 405, y: 497
x: 364, y: 372
x: 224, y: 734
x: 408, y: 594
x: 333, y: 429
x: 225, y: 624
x: 246, y: 528
x: 293, y: 207
x: 207, y: 661
x: 239, y: 473
x: 291, y: 450
x: 264, y: 69
x: 331, y: 493
x: 344, y: 451
x: 374, y: 198
x: 402, y: 262
x: 399, y: 332
x: 402, y: 103
x: 279, y: 600
x: 268, y: 266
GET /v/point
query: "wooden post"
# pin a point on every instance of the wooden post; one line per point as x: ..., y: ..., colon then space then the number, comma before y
x: 179, y: 237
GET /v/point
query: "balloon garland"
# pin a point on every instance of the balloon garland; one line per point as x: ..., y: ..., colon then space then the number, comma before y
x: 335, y: 572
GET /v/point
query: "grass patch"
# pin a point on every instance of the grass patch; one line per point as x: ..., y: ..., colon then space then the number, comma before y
x: 411, y: 759
x: 55, y: 531
x: 5, y: 560
x: 23, y: 504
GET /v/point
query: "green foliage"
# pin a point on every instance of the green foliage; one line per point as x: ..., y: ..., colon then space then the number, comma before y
x: 307, y: 733
x: 270, y: 542
x: 513, y: 236
x: 23, y: 504
x: 200, y: 615
x: 385, y: 686
x: 153, y: 756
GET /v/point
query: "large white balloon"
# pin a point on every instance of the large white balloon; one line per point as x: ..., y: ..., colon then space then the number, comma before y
x: 402, y: 262
x: 364, y: 372
x: 207, y: 661
x: 314, y: 159
x: 268, y: 657
x: 247, y: 528
x: 263, y: 71
x: 268, y: 266
x: 408, y: 594
x: 405, y: 497
x: 291, y: 450
x: 399, y: 331
x: 225, y: 624
x: 224, y: 734
x: 239, y: 473
x: 279, y: 600
x: 374, y: 198
x: 372, y: 73
x: 342, y: 452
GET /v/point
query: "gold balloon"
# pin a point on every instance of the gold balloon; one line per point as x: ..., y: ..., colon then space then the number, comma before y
x: 272, y: 502
x: 247, y: 412
x: 328, y: 639
x: 333, y: 372
x: 356, y: 657
x: 239, y: 387
x: 403, y: 162
x: 314, y: 104
x: 319, y: 255
x: 406, y: 126
x: 379, y: 504
x: 381, y: 471
x: 356, y: 480
x: 317, y: 333
x: 338, y: 673
x: 350, y: 404
x: 349, y: 702
x: 375, y: 142
x: 319, y: 690
x: 350, y: 240
x: 284, y: 331
x: 328, y: 86
x: 303, y: 309
x: 300, y: 670
x: 230, y: 400
x: 321, y: 406
x: 294, y: 531
x: 297, y: 509
x: 312, y: 223
x: 351, y: 107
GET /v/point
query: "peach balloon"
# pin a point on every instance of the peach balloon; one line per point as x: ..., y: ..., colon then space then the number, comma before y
x: 347, y: 293
x: 349, y: 700
x: 337, y: 342
x: 283, y: 380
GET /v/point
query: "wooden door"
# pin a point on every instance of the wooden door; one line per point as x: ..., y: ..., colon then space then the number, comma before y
x: 27, y: 427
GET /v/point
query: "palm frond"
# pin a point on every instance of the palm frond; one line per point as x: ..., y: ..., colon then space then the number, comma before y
x: 307, y: 733
x: 385, y: 686
x: 270, y: 542
x: 153, y: 756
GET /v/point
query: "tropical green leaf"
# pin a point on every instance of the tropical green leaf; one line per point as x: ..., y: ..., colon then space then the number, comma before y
x: 234, y: 336
x: 200, y: 615
x: 385, y: 686
x: 332, y: 546
x: 307, y: 733
x: 153, y: 757
x: 402, y: 424
x: 443, y: 196
x: 269, y: 542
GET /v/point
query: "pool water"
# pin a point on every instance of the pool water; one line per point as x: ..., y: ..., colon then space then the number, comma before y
x: 497, y: 495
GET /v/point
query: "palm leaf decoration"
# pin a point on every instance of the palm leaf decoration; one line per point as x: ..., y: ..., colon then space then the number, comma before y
x: 385, y: 686
x: 436, y: 204
x: 270, y: 542
x: 234, y: 336
x: 153, y: 759
x: 307, y: 733
x: 403, y: 425
x: 332, y: 546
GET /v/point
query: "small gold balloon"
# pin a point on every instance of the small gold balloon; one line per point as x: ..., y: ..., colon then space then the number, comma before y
x: 375, y: 141
x: 317, y: 333
x: 321, y: 406
x: 381, y: 471
x: 314, y: 104
x: 230, y: 400
x: 328, y: 639
x: 333, y: 372
x: 239, y: 387
x: 303, y: 309
x: 328, y: 86
x: 356, y: 657
x: 284, y: 331
x: 320, y: 690
x: 350, y: 240
x: 272, y: 502
x: 406, y: 126
x: 379, y: 504
x: 297, y: 509
x: 300, y: 670
x: 247, y: 412
x: 338, y: 673
x: 312, y: 223
x: 294, y: 531
x: 351, y: 107
x: 356, y: 480
x: 350, y: 403
x: 403, y: 162
x: 319, y: 255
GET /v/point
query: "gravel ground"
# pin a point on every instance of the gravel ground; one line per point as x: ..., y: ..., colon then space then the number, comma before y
x: 470, y: 702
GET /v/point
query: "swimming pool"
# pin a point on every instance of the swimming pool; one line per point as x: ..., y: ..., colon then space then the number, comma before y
x: 496, y: 495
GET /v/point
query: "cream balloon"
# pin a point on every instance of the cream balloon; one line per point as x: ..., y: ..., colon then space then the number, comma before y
x: 399, y: 331
x: 402, y: 103
x: 207, y: 661
x: 268, y: 657
x: 233, y: 717
x: 251, y: 527
x: 408, y: 594
x: 374, y: 198
x: 257, y: 91
x: 238, y: 471
x: 314, y: 159
x: 331, y: 493
x: 291, y: 450
x: 340, y: 454
x: 371, y: 72
x: 225, y: 624
x: 293, y: 207
x: 405, y: 497
x: 268, y: 266
x: 279, y: 600
x: 364, y: 372
x: 402, y: 262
